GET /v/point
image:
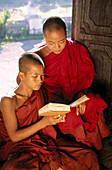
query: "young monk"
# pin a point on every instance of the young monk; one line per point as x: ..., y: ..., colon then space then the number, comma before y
x: 29, y: 141
x: 69, y: 72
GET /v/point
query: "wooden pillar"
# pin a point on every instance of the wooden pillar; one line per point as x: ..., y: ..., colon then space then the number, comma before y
x: 92, y: 25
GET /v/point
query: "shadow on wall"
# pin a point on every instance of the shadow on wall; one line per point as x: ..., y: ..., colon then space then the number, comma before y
x: 100, y: 86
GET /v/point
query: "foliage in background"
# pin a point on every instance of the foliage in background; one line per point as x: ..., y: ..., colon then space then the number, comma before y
x: 4, y: 36
x: 3, y: 24
x: 44, y: 5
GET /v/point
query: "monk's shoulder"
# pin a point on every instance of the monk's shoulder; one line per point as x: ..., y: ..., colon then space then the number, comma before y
x: 43, y: 51
x: 7, y: 101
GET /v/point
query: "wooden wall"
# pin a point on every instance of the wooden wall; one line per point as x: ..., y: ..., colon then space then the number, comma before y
x: 92, y: 25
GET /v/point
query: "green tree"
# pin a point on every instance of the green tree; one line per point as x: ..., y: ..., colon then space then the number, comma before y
x: 3, y: 24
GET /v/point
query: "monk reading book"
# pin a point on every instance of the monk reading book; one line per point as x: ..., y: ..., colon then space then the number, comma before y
x: 28, y: 141
x: 69, y: 72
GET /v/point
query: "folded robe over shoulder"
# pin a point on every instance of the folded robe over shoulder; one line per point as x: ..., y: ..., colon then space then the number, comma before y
x: 42, y: 147
x: 66, y: 74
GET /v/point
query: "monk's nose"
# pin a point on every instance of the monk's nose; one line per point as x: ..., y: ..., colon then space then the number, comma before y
x: 57, y: 46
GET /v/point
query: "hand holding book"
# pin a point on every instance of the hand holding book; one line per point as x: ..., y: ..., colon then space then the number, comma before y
x: 53, y: 109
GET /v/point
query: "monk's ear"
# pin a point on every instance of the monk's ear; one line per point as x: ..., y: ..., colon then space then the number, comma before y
x: 21, y: 75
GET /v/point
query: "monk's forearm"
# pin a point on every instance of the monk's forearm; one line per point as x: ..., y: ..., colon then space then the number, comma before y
x: 27, y: 132
x: 19, y: 135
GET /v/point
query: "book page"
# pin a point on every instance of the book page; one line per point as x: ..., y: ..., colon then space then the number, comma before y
x: 79, y: 101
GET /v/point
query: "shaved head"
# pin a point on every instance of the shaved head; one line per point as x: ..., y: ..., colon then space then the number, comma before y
x: 27, y: 60
x: 54, y: 24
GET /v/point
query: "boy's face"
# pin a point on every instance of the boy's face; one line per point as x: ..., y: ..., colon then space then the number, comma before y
x: 33, y: 79
x: 55, y: 40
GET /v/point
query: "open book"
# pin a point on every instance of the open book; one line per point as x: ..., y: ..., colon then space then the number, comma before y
x: 53, y: 109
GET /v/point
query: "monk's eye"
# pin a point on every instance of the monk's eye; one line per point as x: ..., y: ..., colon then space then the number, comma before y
x: 50, y: 43
x: 61, y: 42
x: 34, y: 76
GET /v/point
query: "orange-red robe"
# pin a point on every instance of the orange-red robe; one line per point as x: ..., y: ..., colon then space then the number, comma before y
x: 66, y: 74
x: 35, y: 151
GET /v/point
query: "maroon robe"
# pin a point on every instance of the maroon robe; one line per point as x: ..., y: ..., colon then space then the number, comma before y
x: 42, y: 147
x: 66, y: 74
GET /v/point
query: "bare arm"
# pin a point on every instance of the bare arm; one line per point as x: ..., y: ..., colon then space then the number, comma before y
x: 10, y: 120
